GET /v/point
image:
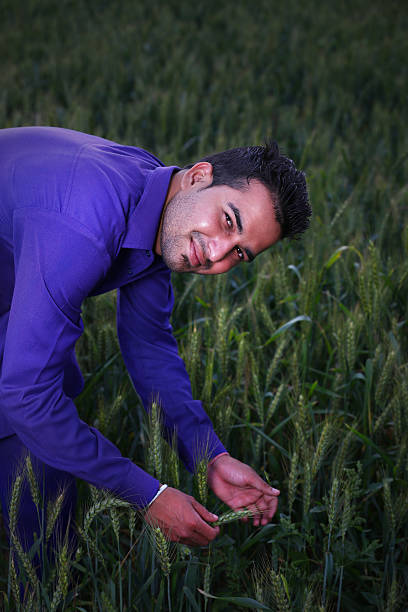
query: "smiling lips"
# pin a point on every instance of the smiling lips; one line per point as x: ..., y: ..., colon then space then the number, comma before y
x: 196, y: 256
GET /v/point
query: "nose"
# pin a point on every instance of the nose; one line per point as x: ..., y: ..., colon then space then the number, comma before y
x: 218, y: 248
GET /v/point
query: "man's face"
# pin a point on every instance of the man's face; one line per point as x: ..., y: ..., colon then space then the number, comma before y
x: 211, y: 230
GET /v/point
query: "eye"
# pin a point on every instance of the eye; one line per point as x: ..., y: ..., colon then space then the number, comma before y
x: 240, y: 253
x: 229, y: 221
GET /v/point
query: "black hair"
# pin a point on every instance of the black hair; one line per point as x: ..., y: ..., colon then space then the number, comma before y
x: 236, y: 167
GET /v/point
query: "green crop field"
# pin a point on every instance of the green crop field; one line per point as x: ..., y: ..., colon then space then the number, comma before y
x: 301, y: 357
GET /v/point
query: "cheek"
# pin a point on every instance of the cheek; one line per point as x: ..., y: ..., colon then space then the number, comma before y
x: 205, y: 225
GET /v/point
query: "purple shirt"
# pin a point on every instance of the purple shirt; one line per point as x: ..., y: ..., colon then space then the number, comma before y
x: 79, y: 216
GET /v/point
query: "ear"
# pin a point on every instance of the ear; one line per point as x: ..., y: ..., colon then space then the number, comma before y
x: 200, y: 175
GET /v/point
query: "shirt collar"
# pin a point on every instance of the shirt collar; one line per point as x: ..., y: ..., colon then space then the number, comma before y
x: 144, y: 221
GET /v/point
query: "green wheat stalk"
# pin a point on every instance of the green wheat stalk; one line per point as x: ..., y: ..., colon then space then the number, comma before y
x: 155, y: 448
x: 274, y: 403
x: 229, y: 517
x: 53, y: 511
x: 99, y: 507
x: 385, y: 378
x: 32, y: 480
x: 61, y: 590
x: 292, y: 482
x: 281, y: 599
x: 322, y: 446
x: 201, y: 479
x: 275, y: 362
x: 14, y: 582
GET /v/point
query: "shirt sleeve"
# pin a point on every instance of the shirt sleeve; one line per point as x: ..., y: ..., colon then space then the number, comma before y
x: 151, y: 356
x: 57, y: 263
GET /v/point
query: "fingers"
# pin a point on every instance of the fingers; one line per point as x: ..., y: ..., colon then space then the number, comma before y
x: 205, y: 514
x: 268, y: 509
x: 266, y: 489
x: 259, y: 484
x: 182, y: 518
x: 266, y: 505
x: 201, y: 537
x: 263, y: 509
x: 193, y: 533
x: 254, y: 480
x: 196, y: 532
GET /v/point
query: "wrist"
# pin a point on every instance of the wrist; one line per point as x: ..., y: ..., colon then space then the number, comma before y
x: 162, y: 488
x: 214, y: 459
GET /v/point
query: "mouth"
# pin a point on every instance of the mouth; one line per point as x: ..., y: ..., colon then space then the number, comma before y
x: 196, y: 255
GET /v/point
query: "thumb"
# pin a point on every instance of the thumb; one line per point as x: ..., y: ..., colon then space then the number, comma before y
x: 205, y: 514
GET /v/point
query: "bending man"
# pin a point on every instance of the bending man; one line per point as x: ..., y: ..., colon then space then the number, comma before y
x: 79, y: 216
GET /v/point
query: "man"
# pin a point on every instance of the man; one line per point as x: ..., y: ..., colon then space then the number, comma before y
x: 79, y: 216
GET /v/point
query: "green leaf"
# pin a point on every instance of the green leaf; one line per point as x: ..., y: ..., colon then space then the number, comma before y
x: 146, y: 585
x: 91, y: 382
x: 371, y: 598
x: 254, y: 538
x: 264, y: 435
x: 321, y: 390
x: 337, y: 253
x: 285, y: 327
x: 369, y: 442
x: 285, y: 584
x: 317, y: 509
x: 244, y: 602
x: 190, y: 597
x: 335, y: 256
x: 200, y: 301
x: 159, y: 602
x: 295, y: 270
x: 312, y: 387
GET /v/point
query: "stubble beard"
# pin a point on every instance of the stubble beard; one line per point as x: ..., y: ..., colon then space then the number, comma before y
x: 172, y: 254
x: 174, y: 245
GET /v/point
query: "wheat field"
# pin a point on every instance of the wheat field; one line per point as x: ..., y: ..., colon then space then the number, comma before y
x: 299, y: 358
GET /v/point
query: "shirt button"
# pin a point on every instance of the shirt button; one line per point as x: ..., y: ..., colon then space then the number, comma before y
x: 147, y: 253
x: 130, y: 271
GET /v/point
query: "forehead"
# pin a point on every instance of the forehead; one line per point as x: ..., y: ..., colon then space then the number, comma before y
x: 256, y: 206
x: 251, y: 194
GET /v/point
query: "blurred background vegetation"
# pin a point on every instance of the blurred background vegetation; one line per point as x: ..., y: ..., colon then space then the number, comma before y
x: 317, y: 404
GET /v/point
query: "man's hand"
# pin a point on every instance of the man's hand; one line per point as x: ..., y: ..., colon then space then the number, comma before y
x: 182, y: 518
x: 239, y: 486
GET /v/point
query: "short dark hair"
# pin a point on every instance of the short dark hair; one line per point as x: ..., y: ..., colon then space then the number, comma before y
x: 236, y: 167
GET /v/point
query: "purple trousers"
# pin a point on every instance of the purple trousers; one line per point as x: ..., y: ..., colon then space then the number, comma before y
x: 51, y: 482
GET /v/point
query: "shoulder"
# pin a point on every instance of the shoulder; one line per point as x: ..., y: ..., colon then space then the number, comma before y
x: 108, y: 181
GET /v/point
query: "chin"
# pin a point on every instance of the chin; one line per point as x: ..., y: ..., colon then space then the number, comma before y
x: 173, y: 256
x: 179, y: 265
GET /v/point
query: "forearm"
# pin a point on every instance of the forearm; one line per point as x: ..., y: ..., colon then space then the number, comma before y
x: 164, y: 378
x: 151, y: 356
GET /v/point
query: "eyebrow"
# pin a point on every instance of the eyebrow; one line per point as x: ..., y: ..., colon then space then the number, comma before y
x: 250, y: 255
x: 238, y: 221
x: 237, y: 216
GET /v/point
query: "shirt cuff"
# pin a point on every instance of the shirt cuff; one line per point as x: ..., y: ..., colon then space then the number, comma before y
x: 162, y: 488
x: 214, y: 459
x: 136, y: 486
